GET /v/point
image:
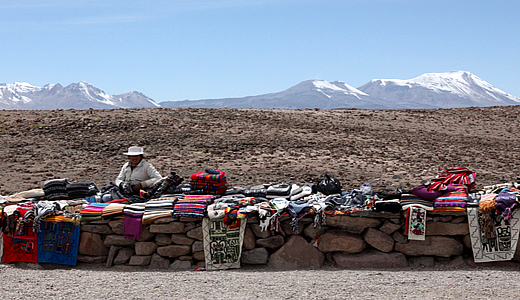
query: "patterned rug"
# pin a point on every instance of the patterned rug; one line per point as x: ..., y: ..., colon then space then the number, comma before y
x: 500, y: 248
x: 222, y: 246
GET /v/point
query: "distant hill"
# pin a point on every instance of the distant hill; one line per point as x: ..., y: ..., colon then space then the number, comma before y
x: 80, y: 95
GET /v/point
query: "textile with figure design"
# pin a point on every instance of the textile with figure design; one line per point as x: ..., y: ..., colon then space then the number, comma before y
x: 58, y: 243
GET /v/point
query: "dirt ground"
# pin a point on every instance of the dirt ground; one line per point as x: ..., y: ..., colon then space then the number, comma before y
x: 389, y: 149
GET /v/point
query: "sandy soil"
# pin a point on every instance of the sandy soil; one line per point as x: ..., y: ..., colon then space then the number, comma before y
x: 389, y: 149
x: 129, y: 283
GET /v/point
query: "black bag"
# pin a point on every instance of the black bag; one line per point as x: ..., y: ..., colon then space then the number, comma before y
x: 328, y: 185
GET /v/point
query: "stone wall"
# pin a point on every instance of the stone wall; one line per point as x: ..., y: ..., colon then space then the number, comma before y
x: 359, y: 240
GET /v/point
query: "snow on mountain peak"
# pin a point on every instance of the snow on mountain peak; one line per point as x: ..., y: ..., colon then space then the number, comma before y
x: 337, y: 86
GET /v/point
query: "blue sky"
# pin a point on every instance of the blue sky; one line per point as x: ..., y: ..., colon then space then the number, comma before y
x: 201, y: 49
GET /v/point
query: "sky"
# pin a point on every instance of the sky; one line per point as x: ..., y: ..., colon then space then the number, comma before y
x: 209, y: 49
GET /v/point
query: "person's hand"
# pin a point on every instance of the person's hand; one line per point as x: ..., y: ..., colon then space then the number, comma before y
x: 137, y: 187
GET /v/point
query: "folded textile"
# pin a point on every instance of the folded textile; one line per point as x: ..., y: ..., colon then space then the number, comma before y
x: 158, y: 208
x: 209, y: 182
x: 278, y: 190
x: 34, y: 193
x: 113, y: 210
x: 456, y: 198
x: 56, y: 189
x: 80, y: 190
x: 208, y: 176
x: 193, y: 206
x: 133, y: 220
x: 298, y: 192
x: 408, y: 200
x: 93, y: 211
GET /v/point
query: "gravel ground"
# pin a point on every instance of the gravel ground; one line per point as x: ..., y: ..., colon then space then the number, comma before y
x: 34, y: 281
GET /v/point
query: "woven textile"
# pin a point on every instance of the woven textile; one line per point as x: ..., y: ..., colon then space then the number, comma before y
x: 193, y: 206
x: 455, y: 199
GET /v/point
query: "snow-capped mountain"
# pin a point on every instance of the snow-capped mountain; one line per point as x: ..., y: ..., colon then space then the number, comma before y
x: 81, y: 95
x: 439, y: 90
x: 307, y: 94
x: 430, y: 90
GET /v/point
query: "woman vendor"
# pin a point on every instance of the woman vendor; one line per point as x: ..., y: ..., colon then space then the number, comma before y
x: 137, y: 171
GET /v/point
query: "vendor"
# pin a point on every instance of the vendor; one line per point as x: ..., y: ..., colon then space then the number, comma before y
x: 140, y: 173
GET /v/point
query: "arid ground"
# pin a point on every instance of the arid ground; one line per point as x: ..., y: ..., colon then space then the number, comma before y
x: 389, y: 149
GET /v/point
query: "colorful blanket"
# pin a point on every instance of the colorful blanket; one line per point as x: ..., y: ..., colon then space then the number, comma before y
x: 193, y: 206
x: 455, y: 200
x: 58, y: 243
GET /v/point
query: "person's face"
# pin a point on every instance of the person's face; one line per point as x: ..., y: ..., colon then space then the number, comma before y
x: 134, y: 159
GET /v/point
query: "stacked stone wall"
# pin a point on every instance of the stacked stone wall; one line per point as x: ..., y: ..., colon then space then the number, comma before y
x: 358, y: 240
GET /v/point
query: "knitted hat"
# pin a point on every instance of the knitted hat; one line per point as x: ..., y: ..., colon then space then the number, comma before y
x: 134, y: 150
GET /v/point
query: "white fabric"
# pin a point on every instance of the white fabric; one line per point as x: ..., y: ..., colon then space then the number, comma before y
x: 144, y: 173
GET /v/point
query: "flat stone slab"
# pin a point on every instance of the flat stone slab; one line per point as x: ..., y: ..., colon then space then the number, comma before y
x: 137, y: 260
x: 118, y: 240
x: 370, y: 259
x: 447, y: 228
x: 355, y: 225
x: 174, y: 250
x: 338, y: 240
x: 145, y: 248
x: 101, y: 229
x: 173, y: 227
x: 379, y: 240
x: 431, y: 246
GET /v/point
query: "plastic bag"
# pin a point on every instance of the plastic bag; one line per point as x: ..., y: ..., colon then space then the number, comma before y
x: 329, y: 185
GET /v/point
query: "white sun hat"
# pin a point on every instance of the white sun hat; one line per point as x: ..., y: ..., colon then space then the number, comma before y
x: 134, y: 150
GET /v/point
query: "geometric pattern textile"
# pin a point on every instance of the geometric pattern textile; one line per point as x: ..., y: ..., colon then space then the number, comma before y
x: 222, y: 246
x: 501, y: 247
x: 58, y: 243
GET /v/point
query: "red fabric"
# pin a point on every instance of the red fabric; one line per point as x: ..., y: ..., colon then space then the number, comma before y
x: 21, y: 247
x: 461, y: 175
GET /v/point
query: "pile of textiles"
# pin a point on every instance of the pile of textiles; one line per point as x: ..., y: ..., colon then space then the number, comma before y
x: 233, y: 214
x: 56, y: 189
x: 44, y: 209
x: 158, y: 208
x: 80, y: 190
x: 410, y: 199
x: 93, y: 211
x: 212, y: 182
x: 279, y: 190
x: 256, y: 191
x: 499, y: 201
x: 166, y: 184
x: 113, y: 210
x: 133, y: 220
x: 454, y: 198
x: 193, y: 206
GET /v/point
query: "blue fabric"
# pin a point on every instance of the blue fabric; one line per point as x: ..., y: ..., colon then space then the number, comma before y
x: 58, y: 243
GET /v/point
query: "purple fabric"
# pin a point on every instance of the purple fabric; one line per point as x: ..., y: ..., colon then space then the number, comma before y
x: 132, y: 225
x: 422, y: 191
x: 506, y: 199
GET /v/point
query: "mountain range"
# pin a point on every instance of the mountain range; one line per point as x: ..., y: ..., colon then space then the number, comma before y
x: 431, y: 90
x: 81, y: 95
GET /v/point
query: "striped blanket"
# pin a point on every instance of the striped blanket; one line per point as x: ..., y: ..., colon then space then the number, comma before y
x: 193, y: 206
